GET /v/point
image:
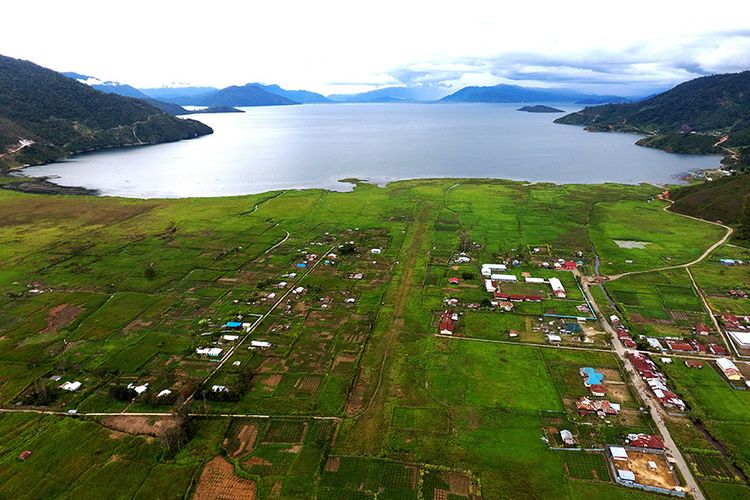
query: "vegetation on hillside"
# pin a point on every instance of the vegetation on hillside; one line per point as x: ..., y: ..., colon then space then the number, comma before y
x: 63, y: 117
x: 724, y: 200
x: 708, y: 115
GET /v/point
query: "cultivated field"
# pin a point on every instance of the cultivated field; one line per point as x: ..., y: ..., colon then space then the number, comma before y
x: 289, y: 341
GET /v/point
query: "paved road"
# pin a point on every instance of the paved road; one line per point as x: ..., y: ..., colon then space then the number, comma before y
x: 655, y: 408
x: 160, y: 414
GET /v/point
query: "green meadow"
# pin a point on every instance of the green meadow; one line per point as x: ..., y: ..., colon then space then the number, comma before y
x: 111, y: 292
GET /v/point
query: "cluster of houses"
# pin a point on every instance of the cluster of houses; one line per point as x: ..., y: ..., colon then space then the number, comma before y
x: 230, y: 332
x: 494, y: 277
x: 599, y: 407
x: 679, y: 345
x: 656, y: 380
x: 593, y: 379
x: 732, y: 262
x: 737, y: 294
x: 622, y: 333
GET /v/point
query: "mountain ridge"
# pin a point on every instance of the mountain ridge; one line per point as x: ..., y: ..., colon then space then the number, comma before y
x: 46, y: 116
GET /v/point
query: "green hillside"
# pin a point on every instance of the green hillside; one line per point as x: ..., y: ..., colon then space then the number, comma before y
x: 708, y: 115
x: 62, y: 117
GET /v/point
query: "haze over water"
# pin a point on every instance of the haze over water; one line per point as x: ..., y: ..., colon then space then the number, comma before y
x: 313, y: 146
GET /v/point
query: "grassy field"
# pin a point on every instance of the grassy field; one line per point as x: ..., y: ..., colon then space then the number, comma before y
x: 111, y: 292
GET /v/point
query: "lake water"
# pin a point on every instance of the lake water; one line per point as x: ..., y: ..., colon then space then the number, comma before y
x: 307, y: 146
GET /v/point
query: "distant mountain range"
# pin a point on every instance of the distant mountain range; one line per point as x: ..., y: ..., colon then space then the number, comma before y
x: 126, y: 90
x: 45, y: 116
x: 392, y: 95
x: 299, y: 96
x: 513, y: 93
x: 246, y: 95
x: 166, y: 93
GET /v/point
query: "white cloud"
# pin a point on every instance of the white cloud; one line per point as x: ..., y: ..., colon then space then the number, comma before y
x: 318, y: 45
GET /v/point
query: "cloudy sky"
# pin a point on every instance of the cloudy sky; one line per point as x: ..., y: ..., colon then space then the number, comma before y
x: 625, y: 48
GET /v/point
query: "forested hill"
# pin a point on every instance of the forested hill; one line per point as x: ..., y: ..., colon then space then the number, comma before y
x: 707, y: 115
x: 53, y: 116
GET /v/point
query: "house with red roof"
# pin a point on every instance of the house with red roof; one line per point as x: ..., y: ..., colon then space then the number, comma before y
x: 717, y: 349
x: 599, y: 407
x: 646, y: 441
x: 677, y: 345
x: 447, y: 324
x: 702, y: 329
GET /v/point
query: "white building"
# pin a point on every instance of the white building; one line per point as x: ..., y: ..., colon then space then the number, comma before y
x: 260, y: 344
x: 507, y: 278
x: 529, y: 279
x: 729, y: 369
x: 557, y: 288
x: 489, y: 286
x: 618, y: 453
x: 230, y: 338
x: 71, y: 386
x: 209, y: 351
x: 742, y: 339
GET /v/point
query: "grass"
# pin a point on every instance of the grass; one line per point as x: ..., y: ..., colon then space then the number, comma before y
x: 401, y: 394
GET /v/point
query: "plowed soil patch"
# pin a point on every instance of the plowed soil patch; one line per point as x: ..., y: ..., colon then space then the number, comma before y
x: 151, y: 426
x: 61, y: 316
x: 218, y: 482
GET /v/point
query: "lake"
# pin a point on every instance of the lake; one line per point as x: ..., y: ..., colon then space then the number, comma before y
x: 313, y: 146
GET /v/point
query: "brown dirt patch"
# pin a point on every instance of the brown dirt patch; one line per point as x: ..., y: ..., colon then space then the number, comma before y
x: 440, y: 494
x: 662, y: 477
x: 270, y: 382
x: 295, y: 449
x: 137, y: 425
x: 218, y: 482
x: 272, y: 364
x: 257, y: 461
x: 610, y: 375
x: 308, y: 383
x: 459, y: 484
x: 414, y: 475
x: 136, y: 325
x: 246, y: 441
x: 333, y: 464
x: 61, y: 316
x: 618, y: 392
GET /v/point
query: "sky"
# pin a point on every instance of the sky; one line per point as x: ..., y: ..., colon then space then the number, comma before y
x: 623, y: 48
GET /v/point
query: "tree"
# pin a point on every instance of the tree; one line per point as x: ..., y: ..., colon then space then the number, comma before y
x: 150, y: 272
x: 175, y: 436
x: 464, y: 242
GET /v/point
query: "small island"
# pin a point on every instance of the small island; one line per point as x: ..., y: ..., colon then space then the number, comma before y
x: 539, y: 108
x: 219, y: 109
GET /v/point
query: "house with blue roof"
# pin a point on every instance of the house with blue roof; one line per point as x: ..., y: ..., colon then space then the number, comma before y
x: 591, y: 376
x: 233, y: 325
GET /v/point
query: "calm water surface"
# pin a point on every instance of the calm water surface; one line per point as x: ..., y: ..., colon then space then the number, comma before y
x: 316, y: 145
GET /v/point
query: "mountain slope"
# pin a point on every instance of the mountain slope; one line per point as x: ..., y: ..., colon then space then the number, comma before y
x: 55, y: 116
x: 246, y: 95
x: 710, y: 114
x: 126, y: 90
x: 300, y: 96
x: 513, y: 93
